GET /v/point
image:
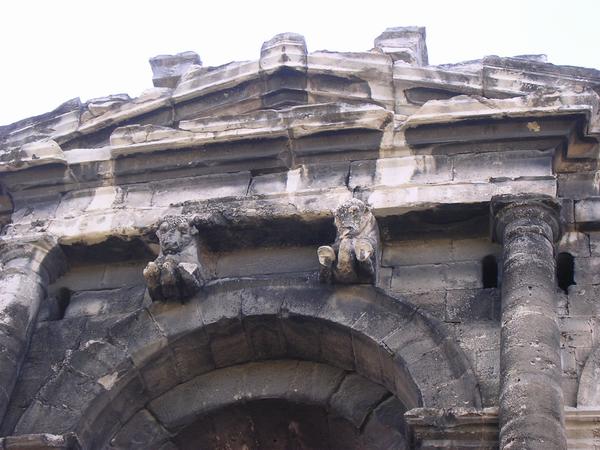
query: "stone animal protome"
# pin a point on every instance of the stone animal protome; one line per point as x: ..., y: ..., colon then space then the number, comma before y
x: 353, y: 256
x: 175, y: 274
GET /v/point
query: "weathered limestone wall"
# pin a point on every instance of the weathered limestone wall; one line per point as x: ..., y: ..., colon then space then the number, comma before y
x: 251, y: 162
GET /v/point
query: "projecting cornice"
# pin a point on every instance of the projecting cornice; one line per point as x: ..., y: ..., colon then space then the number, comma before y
x: 380, y: 125
x: 392, y: 75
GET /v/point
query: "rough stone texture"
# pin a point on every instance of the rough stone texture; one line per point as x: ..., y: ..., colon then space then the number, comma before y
x: 168, y: 69
x: 354, y: 256
x: 176, y: 274
x: 27, y: 268
x: 531, y: 398
x: 253, y: 159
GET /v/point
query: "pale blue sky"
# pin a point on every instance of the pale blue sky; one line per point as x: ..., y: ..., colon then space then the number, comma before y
x: 56, y: 50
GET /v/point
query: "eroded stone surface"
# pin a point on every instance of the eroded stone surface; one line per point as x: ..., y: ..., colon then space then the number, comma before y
x: 423, y: 311
x: 175, y: 274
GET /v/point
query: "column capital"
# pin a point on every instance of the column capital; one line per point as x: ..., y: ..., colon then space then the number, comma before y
x: 525, y: 208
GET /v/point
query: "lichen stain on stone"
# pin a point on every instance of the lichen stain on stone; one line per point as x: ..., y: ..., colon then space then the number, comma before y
x: 108, y: 381
x: 534, y: 126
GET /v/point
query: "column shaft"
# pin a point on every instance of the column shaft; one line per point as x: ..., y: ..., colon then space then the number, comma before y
x: 531, y: 398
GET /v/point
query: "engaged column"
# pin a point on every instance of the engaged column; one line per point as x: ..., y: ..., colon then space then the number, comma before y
x: 531, y: 398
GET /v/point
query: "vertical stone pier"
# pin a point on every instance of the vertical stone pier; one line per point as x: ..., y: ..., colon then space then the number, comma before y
x: 531, y: 398
x: 26, y: 269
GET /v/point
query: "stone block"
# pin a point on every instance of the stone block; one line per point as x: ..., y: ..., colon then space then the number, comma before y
x: 261, y: 302
x: 229, y: 344
x: 302, y: 338
x: 37, y: 153
x: 74, y: 203
x: 575, y: 243
x: 267, y: 184
x: 168, y: 69
x: 265, y: 336
x: 388, y: 200
x: 192, y: 355
x: 201, y: 188
x: 477, y: 336
x: 384, y: 278
x: 356, y: 398
x: 474, y: 249
x: 273, y: 379
x: 436, y: 251
x: 437, y: 277
x: 336, y: 347
x: 140, y: 432
x: 493, y: 165
x: 578, y: 186
x: 568, y: 361
x: 220, y: 305
x: 405, y: 44
x: 416, y: 252
x: 70, y: 390
x: 346, y: 304
x: 487, y: 370
x: 358, y: 65
x: 112, y: 301
x: 318, y: 176
x: 267, y: 261
x: 376, y: 322
x: 587, y: 210
x: 464, y: 275
x: 576, y: 332
x: 473, y: 305
x: 418, y: 169
x: 128, y: 400
x: 160, y: 374
x: 431, y: 302
x: 587, y: 270
x: 419, y: 278
x: 367, y: 358
x: 42, y: 441
x: 569, y: 387
x: 386, y: 427
x: 139, y: 336
x: 594, y: 238
x: 40, y: 209
x: 409, y: 343
x: 39, y: 418
x: 97, y: 358
x: 583, y: 301
x: 175, y: 319
x: 123, y: 274
x: 285, y: 49
x: 176, y: 407
x: 397, y: 379
x: 316, y: 383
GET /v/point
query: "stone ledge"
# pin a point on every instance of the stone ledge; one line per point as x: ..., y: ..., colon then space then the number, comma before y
x: 478, y: 428
x: 44, y: 441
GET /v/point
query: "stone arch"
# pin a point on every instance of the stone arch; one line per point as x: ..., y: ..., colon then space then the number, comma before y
x: 26, y: 270
x: 358, y: 329
x: 588, y: 393
x: 355, y: 407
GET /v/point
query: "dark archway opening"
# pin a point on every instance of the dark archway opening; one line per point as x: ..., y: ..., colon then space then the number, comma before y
x: 489, y: 272
x: 565, y: 271
x: 271, y: 424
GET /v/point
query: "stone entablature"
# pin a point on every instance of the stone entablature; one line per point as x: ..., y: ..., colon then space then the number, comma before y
x: 356, y: 237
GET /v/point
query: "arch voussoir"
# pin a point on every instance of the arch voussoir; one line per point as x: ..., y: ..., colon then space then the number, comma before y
x: 164, y: 347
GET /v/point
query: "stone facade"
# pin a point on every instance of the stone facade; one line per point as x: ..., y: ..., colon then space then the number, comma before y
x: 309, y: 250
